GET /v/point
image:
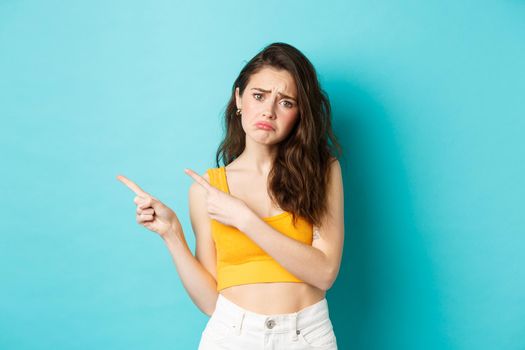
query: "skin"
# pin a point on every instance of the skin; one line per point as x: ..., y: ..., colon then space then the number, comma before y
x: 247, y: 179
x: 249, y: 200
x: 270, y: 107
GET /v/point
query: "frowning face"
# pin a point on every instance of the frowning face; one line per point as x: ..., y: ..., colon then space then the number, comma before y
x: 268, y: 105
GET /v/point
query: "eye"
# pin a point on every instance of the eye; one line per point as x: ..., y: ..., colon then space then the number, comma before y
x: 288, y: 104
x: 256, y: 94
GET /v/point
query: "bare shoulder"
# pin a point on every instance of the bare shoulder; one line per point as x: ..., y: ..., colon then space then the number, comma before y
x: 197, y: 198
x: 201, y: 225
x: 335, y: 169
x: 205, y: 175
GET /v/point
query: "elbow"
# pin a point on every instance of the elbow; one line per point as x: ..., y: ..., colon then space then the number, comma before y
x: 208, y: 311
x: 328, y: 280
x: 211, y: 308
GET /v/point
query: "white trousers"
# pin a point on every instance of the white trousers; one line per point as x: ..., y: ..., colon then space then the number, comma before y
x: 232, y: 327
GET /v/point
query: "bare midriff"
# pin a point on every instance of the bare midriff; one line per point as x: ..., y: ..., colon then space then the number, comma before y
x: 274, y: 297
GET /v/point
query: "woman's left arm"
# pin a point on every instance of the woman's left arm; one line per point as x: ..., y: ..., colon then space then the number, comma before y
x: 317, y: 264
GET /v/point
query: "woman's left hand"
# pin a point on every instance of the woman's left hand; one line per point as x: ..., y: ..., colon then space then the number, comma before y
x: 222, y: 206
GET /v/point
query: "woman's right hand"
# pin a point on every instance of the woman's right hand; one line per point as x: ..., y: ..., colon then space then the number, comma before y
x: 152, y: 213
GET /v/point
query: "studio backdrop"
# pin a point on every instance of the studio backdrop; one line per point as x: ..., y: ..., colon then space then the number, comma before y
x: 428, y: 103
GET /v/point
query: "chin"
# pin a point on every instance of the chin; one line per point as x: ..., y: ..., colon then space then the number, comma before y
x: 264, y: 140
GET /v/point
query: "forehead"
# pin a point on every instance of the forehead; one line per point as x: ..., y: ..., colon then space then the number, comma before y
x: 273, y: 79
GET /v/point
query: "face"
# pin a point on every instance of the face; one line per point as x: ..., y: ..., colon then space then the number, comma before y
x: 269, y: 98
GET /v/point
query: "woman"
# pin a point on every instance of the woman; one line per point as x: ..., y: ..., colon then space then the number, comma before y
x: 269, y: 224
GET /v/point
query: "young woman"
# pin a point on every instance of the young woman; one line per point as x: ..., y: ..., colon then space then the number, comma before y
x: 269, y: 224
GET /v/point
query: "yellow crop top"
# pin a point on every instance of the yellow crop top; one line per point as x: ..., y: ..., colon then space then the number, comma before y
x: 239, y: 259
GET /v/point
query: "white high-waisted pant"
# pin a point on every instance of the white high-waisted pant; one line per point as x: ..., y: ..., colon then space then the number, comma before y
x: 232, y: 327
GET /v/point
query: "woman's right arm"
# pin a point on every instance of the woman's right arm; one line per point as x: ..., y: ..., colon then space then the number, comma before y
x: 197, y: 273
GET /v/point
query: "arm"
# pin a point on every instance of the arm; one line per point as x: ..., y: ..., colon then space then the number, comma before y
x: 319, y: 263
x: 198, y: 282
x: 198, y: 274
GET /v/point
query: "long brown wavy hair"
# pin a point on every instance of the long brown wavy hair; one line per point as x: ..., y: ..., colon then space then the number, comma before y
x: 299, y: 176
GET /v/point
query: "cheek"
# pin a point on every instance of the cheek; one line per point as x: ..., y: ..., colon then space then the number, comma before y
x: 291, y: 118
x: 250, y: 110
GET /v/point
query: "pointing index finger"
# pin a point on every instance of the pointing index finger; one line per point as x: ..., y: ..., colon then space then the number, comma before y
x: 200, y: 180
x: 133, y: 186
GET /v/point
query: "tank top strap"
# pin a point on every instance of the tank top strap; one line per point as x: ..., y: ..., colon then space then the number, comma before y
x: 217, y: 179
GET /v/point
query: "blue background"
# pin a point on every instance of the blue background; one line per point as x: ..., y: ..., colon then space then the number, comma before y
x: 428, y: 100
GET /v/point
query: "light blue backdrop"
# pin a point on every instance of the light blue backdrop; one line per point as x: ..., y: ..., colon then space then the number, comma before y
x: 428, y: 100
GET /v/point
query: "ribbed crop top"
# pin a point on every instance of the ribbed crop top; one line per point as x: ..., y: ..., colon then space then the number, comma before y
x: 239, y: 259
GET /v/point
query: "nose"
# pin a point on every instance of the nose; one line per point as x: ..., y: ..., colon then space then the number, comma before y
x: 269, y: 109
x: 269, y: 115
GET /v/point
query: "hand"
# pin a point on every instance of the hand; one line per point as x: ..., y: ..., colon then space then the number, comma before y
x: 222, y: 206
x: 152, y: 213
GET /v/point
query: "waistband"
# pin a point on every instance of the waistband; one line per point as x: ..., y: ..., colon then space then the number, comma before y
x: 234, y: 314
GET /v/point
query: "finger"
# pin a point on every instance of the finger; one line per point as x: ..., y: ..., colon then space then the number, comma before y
x: 148, y: 211
x: 133, y: 186
x: 200, y: 180
x: 144, y: 218
x: 143, y: 203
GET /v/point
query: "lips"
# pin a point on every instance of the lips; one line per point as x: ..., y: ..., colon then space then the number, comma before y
x: 264, y: 125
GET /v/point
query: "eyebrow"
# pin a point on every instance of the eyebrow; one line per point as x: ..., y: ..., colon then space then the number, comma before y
x: 283, y: 95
